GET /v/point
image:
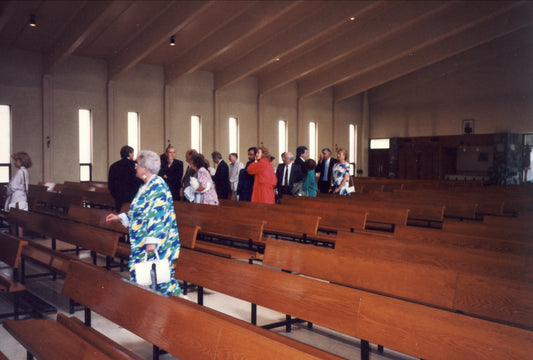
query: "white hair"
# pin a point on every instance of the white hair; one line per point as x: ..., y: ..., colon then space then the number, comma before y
x: 149, y: 160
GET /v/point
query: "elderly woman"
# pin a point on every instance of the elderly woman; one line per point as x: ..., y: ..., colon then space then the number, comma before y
x: 17, y: 189
x: 340, y: 178
x: 152, y: 221
x: 265, y: 177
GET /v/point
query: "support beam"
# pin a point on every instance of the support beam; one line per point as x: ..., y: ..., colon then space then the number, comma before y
x: 425, y: 33
x: 515, y: 43
x: 483, y: 33
x: 293, y: 38
x: 370, y: 26
x: 241, y: 24
x: 177, y: 16
x: 87, y: 20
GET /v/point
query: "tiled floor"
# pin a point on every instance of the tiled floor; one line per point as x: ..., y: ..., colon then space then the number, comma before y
x: 320, y: 337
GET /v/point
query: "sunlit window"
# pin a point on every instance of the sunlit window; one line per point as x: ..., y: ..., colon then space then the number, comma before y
x: 282, y: 138
x: 5, y: 143
x: 233, y: 135
x: 85, y: 144
x: 196, y: 133
x: 313, y: 139
x: 352, y: 156
x: 134, y: 139
x: 379, y: 143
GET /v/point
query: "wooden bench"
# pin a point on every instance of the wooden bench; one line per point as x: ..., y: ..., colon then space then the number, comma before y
x: 182, y: 328
x: 10, y: 253
x: 97, y: 240
x: 330, y: 222
x: 482, y: 228
x: 381, y: 218
x: 474, y: 241
x: 278, y: 223
x: 419, y: 277
x: 96, y: 199
x: 249, y: 233
x: 411, y: 328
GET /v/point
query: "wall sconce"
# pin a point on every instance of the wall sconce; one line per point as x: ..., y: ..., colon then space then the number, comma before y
x: 33, y: 22
x: 172, y: 41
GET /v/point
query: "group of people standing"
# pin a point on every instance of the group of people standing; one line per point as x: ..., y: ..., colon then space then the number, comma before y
x: 151, y: 183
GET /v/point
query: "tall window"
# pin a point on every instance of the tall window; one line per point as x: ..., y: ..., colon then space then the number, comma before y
x: 313, y: 137
x: 5, y: 143
x: 282, y: 137
x: 134, y: 139
x: 85, y: 144
x: 233, y: 135
x: 196, y: 133
x: 352, y: 156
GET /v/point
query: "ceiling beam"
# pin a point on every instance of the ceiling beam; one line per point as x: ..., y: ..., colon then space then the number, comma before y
x: 80, y: 27
x: 517, y: 42
x: 371, y: 26
x: 242, y: 26
x: 9, y: 9
x: 424, y: 33
x: 177, y: 16
x: 291, y: 39
x: 502, y: 25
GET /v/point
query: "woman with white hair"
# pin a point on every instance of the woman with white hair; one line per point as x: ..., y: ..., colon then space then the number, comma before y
x: 152, y: 221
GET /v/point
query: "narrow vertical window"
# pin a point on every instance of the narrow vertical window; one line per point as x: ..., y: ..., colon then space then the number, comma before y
x: 352, y: 133
x: 313, y: 139
x: 233, y: 135
x: 134, y: 140
x: 85, y: 144
x: 282, y: 137
x: 196, y: 133
x: 5, y: 143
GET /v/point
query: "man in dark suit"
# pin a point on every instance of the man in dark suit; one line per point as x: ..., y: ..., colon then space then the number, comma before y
x: 287, y: 173
x: 302, y: 153
x: 221, y: 177
x: 122, y: 181
x: 246, y: 181
x: 325, y: 169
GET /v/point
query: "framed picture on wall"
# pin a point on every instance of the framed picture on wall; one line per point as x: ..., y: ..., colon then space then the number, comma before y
x: 468, y: 126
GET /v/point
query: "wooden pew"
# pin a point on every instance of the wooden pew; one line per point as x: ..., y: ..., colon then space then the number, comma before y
x: 3, y: 357
x: 52, y: 202
x: 482, y: 228
x: 428, y: 280
x: 98, y: 199
x: 474, y: 241
x: 330, y: 222
x: 278, y: 223
x: 10, y: 252
x: 379, y: 217
x: 97, y: 240
x: 163, y: 323
x: 411, y: 328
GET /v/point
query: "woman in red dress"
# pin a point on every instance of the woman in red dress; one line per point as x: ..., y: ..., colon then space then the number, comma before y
x: 265, y: 177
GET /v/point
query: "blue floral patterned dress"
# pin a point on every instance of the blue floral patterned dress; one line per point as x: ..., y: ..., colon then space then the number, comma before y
x: 152, y: 220
x: 339, y: 171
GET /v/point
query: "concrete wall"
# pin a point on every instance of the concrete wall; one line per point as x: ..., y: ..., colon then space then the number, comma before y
x: 495, y: 92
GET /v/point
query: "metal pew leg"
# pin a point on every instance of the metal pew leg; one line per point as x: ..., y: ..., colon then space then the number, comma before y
x: 365, y: 350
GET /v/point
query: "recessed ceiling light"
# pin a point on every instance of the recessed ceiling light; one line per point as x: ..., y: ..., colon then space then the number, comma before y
x: 172, y: 41
x: 33, y: 22
x: 352, y: 18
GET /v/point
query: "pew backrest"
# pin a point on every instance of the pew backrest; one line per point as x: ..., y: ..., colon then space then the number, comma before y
x: 181, y: 328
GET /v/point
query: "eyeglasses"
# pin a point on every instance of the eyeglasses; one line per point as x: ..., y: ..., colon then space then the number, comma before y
x: 137, y: 165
